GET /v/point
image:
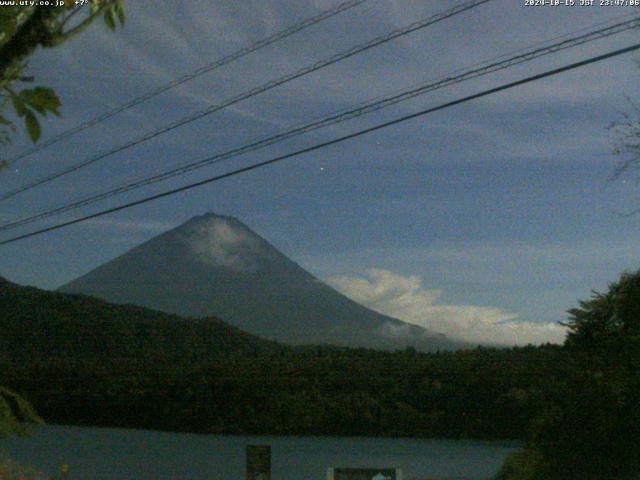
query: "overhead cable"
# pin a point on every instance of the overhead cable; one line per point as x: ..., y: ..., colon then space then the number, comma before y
x: 281, y: 35
x: 328, y: 143
x: 527, y: 55
x: 255, y: 91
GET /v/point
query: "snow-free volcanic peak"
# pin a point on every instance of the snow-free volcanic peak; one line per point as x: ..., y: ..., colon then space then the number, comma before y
x: 216, y: 265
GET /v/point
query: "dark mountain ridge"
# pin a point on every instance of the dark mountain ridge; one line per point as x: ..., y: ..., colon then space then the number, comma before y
x: 38, y: 324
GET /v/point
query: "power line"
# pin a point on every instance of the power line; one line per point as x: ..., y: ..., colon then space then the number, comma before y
x: 281, y: 35
x: 335, y: 141
x: 528, y: 55
x: 258, y: 90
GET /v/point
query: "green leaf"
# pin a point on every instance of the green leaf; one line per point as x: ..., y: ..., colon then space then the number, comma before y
x: 30, y: 99
x: 7, y: 26
x: 41, y: 99
x: 121, y: 15
x: 18, y: 105
x: 109, y: 19
x: 16, y: 414
x: 11, y: 18
x: 120, y: 12
x: 33, y: 126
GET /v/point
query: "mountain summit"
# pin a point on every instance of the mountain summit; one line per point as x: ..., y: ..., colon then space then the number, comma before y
x: 216, y: 265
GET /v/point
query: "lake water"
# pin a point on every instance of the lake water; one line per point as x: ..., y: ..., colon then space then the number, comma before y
x: 110, y: 454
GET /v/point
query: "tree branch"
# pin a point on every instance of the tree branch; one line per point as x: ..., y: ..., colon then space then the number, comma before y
x: 32, y: 33
x: 61, y: 37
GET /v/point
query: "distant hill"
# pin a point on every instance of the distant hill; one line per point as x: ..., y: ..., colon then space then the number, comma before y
x: 83, y: 361
x: 38, y: 324
x: 216, y: 266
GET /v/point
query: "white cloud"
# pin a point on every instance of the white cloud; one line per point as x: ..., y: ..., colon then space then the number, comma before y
x: 406, y: 299
x: 219, y: 243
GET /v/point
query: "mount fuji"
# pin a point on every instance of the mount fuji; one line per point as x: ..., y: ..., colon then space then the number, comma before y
x: 215, y: 265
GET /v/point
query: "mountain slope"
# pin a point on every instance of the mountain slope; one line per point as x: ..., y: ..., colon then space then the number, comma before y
x: 39, y: 325
x: 215, y: 265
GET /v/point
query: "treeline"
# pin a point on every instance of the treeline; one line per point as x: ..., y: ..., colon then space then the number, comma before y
x: 83, y: 361
x: 487, y: 394
x: 589, y: 428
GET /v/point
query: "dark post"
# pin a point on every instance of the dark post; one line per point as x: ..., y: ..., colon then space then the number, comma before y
x: 258, y: 462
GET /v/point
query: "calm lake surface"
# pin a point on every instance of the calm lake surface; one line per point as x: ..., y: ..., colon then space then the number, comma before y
x: 109, y: 454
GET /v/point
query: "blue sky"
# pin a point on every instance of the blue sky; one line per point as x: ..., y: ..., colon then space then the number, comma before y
x: 496, y: 211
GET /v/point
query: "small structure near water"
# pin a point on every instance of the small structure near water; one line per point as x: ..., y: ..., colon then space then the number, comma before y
x: 364, y: 474
x: 258, y: 462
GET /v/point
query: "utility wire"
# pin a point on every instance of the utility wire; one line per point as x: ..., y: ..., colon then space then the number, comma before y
x: 281, y: 35
x: 258, y: 90
x: 335, y: 141
x: 527, y: 55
